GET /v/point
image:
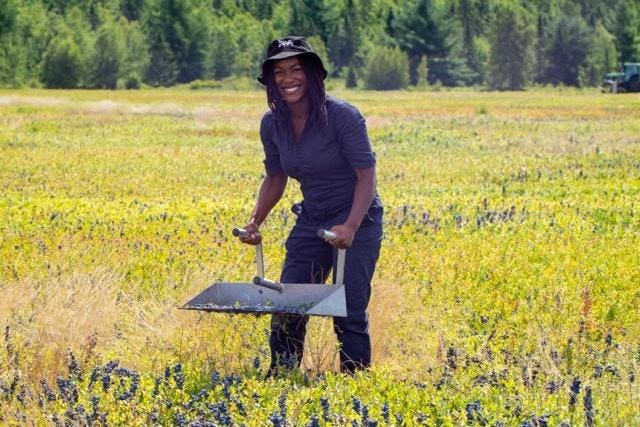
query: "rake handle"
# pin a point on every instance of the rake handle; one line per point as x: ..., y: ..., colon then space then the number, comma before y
x: 241, y: 232
x: 326, y: 234
x: 266, y: 283
x: 330, y: 235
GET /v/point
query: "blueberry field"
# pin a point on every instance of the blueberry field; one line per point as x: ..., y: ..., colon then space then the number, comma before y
x: 507, y: 292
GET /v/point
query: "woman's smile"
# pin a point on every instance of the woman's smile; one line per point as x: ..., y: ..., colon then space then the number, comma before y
x: 291, y: 81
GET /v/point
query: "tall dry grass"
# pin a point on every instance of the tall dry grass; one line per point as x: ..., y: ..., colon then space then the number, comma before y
x: 89, y: 315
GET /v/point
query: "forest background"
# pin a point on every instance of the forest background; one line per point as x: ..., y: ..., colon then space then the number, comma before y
x: 377, y: 44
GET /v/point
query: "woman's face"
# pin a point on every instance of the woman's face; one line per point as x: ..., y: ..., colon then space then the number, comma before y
x: 290, y: 79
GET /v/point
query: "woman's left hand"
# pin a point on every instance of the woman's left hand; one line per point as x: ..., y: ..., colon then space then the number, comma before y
x: 345, y: 235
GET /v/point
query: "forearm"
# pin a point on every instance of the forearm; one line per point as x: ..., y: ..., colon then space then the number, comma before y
x: 362, y: 197
x: 270, y: 193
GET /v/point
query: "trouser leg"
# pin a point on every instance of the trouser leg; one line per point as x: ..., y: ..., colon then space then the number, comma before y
x: 308, y: 260
x: 353, y: 331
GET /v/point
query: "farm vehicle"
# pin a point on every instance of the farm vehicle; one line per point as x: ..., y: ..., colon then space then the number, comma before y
x: 626, y: 81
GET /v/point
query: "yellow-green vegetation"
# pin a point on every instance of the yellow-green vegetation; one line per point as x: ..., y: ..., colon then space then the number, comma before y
x: 506, y: 293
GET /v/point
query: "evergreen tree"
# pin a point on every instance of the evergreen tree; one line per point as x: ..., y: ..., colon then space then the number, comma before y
x: 223, y: 48
x: 183, y: 28
x: 162, y: 69
x: 541, y: 41
x: 62, y: 63
x: 469, y: 13
x: 568, y: 51
x: 420, y: 29
x: 511, y: 49
x: 132, y: 9
x: 345, y: 38
x: 627, y: 26
x: 306, y: 18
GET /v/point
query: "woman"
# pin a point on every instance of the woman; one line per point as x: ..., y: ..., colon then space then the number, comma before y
x: 321, y: 142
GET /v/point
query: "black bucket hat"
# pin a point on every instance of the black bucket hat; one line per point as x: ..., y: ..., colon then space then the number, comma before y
x: 288, y: 47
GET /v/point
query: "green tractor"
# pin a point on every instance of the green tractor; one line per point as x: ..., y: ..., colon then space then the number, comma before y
x: 626, y: 81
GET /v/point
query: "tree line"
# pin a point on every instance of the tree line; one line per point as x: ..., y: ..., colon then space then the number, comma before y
x: 378, y: 44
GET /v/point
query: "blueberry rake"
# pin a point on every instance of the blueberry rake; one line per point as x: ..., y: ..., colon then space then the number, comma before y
x: 264, y: 296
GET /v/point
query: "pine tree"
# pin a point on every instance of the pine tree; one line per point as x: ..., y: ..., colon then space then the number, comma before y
x: 626, y: 32
x: 568, y: 50
x: 224, y: 49
x: 421, y: 29
x: 511, y: 49
x: 162, y: 69
x: 345, y: 39
x: 470, y: 30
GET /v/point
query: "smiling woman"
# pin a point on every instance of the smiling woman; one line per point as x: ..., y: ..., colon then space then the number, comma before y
x: 321, y: 142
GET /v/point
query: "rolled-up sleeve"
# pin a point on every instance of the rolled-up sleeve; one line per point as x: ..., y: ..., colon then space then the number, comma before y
x: 272, y: 163
x: 353, y: 138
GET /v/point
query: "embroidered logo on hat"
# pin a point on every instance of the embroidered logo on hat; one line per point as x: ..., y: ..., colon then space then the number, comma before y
x: 285, y: 43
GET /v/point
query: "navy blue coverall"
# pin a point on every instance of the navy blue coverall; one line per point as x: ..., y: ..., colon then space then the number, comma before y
x: 324, y: 162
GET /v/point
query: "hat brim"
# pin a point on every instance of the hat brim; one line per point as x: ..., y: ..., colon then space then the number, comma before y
x: 289, y: 54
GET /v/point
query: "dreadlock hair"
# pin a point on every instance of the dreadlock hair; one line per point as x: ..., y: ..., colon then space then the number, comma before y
x: 316, y: 90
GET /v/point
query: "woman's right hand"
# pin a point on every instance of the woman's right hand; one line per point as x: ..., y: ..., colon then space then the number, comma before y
x: 254, y: 237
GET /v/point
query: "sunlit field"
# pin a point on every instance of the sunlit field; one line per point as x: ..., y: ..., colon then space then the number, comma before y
x: 507, y: 292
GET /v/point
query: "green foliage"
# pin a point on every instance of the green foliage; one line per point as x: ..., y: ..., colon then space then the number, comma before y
x: 162, y: 69
x: 108, y: 57
x: 135, y: 58
x: 320, y: 48
x: 24, y: 36
x: 62, y: 63
x: 423, y: 28
x: 249, y: 38
x: 224, y: 50
x: 386, y: 69
x: 568, y: 49
x: 351, y: 81
x: 601, y: 58
x: 344, y: 37
x: 511, y: 49
x: 8, y: 16
x: 627, y: 31
x: 423, y: 72
x: 472, y: 28
x: 305, y: 17
x: 12, y: 61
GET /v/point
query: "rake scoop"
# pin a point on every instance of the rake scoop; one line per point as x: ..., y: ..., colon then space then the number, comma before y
x: 263, y: 296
